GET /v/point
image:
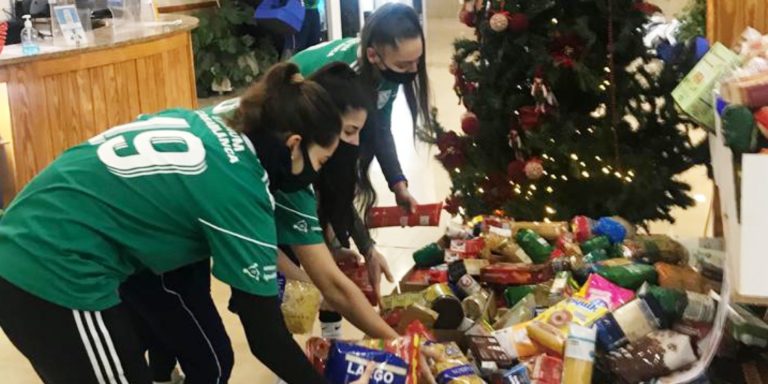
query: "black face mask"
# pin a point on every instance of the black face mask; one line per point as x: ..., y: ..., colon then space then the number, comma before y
x: 275, y: 157
x: 398, y: 77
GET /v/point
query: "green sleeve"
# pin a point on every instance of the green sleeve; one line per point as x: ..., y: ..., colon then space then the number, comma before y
x: 315, y: 57
x: 296, y: 219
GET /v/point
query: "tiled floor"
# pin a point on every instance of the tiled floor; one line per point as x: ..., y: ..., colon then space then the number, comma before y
x: 429, y: 183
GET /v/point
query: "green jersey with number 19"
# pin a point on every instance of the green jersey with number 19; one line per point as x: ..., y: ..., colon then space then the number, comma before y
x: 165, y: 191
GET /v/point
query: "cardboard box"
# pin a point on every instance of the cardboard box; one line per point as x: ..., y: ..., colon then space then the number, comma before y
x: 694, y: 93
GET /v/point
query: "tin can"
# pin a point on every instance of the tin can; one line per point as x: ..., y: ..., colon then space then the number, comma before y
x: 469, y: 285
x: 474, y: 306
x: 442, y: 300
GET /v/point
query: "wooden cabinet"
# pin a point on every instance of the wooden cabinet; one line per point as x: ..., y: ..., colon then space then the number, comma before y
x: 726, y: 19
x: 59, y: 99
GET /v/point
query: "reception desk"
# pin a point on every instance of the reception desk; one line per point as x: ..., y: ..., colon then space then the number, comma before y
x: 65, y: 95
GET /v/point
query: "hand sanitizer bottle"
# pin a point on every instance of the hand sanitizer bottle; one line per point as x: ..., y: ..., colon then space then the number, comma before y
x: 29, y: 45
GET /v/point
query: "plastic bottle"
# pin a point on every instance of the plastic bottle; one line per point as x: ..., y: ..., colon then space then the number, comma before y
x: 29, y: 45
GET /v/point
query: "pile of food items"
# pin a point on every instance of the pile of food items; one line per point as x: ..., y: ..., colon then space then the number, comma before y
x: 588, y: 301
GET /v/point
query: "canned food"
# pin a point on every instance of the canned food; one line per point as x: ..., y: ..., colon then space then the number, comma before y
x: 469, y: 285
x: 442, y: 300
x: 474, y: 306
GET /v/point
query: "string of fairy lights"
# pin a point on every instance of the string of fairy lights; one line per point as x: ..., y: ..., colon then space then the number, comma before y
x: 585, y: 170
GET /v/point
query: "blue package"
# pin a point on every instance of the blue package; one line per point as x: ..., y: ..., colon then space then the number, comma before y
x: 610, y: 228
x: 347, y: 362
x: 454, y: 373
x: 609, y: 333
x: 516, y: 375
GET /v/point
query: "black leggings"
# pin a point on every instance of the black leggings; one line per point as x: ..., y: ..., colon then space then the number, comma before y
x: 178, y: 307
x: 181, y: 319
x: 67, y: 346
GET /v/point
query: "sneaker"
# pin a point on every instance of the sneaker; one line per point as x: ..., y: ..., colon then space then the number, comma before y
x: 330, y: 330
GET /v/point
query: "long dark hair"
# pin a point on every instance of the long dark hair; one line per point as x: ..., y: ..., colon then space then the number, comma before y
x: 282, y: 103
x: 386, y: 26
x: 338, y: 185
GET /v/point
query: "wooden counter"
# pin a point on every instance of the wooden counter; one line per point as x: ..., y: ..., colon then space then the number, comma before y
x: 63, y: 96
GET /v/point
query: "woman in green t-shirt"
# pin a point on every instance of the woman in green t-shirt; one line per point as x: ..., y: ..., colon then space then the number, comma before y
x: 167, y: 191
x: 389, y: 54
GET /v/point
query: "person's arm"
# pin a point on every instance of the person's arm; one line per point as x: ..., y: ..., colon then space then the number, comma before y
x: 288, y: 268
x: 269, y: 339
x: 386, y: 153
x: 361, y: 235
x: 385, y: 150
x: 343, y: 295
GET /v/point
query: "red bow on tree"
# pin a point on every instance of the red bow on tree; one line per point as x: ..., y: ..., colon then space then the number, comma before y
x: 451, y: 150
x: 566, y: 49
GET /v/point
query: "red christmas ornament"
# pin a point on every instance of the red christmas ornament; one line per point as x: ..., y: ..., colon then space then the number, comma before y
x: 516, y: 171
x: 469, y: 124
x: 529, y: 117
x: 467, y: 18
x: 566, y: 49
x: 534, y: 170
x: 518, y: 22
x: 647, y: 8
x: 499, y: 22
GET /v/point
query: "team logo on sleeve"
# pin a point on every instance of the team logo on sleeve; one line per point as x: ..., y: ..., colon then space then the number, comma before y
x: 301, y: 226
x: 266, y: 273
x: 383, y: 98
x: 253, y: 271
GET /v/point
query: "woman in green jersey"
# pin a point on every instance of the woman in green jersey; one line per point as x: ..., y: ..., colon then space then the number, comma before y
x: 168, y: 190
x: 389, y: 54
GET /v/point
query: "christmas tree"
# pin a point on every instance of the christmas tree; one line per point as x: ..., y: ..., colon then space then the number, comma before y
x: 568, y: 113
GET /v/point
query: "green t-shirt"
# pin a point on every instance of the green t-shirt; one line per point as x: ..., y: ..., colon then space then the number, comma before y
x: 165, y: 191
x: 295, y: 213
x: 296, y: 218
x: 311, y: 4
x: 347, y: 51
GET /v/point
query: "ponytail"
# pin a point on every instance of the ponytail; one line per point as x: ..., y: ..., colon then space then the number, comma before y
x: 283, y: 103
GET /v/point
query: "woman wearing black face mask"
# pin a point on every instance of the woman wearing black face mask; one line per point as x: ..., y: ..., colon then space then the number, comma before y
x: 389, y: 53
x: 165, y: 192
x: 206, y: 355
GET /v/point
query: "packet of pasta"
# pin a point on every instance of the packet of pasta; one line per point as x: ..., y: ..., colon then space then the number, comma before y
x: 301, y: 303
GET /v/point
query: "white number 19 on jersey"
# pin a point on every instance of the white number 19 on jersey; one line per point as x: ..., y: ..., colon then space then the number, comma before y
x: 148, y: 160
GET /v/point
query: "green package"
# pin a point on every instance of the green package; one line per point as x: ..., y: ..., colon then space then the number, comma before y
x: 516, y: 293
x: 597, y: 256
x: 673, y: 301
x: 630, y: 276
x: 429, y: 256
x: 694, y: 93
x: 534, y: 246
x: 595, y: 243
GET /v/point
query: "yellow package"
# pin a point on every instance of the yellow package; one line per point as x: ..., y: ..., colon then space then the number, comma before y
x: 572, y: 310
x: 448, y: 365
x: 550, y: 329
x: 515, y: 341
x: 549, y: 337
x: 301, y: 304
